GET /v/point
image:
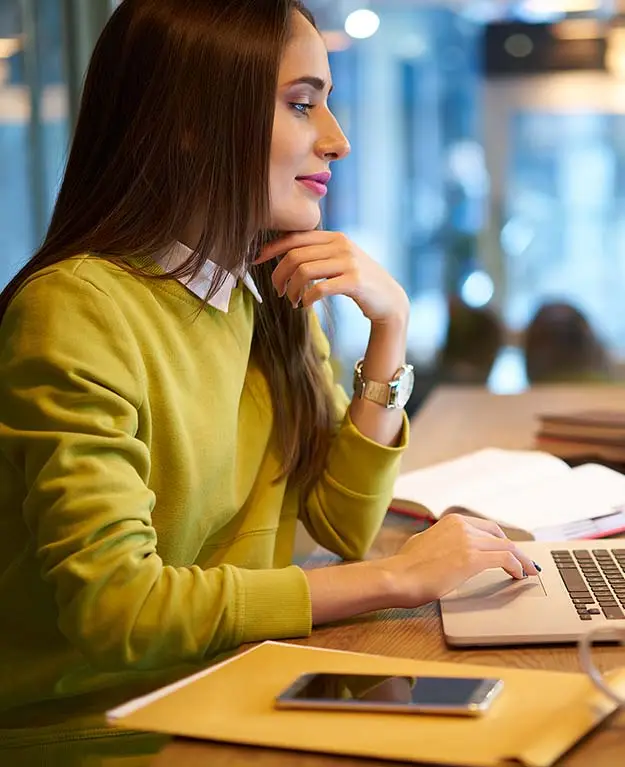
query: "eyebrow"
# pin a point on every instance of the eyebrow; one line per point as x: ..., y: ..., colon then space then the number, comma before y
x: 316, y: 82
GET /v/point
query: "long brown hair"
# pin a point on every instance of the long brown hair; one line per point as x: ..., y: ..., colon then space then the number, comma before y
x: 177, y: 116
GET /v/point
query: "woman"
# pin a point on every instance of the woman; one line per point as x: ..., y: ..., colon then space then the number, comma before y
x: 162, y: 428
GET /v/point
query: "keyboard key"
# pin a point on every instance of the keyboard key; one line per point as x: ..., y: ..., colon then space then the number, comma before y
x: 601, y: 575
x: 613, y: 612
x: 573, y: 580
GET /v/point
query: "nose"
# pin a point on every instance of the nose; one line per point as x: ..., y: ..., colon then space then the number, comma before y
x: 334, y: 144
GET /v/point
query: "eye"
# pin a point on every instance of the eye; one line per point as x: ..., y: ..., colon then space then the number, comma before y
x: 303, y: 109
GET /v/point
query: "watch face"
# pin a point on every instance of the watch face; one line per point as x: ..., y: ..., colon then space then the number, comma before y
x: 406, y: 385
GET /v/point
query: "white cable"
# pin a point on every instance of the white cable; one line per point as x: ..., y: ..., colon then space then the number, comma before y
x: 585, y: 654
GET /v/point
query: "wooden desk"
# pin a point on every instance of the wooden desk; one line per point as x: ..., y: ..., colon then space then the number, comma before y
x: 453, y: 422
x: 458, y: 420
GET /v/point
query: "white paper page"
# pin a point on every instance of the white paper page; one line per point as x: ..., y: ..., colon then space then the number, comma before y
x: 473, y: 478
x: 583, y: 493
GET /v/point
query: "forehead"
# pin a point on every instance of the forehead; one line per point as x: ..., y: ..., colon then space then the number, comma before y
x: 305, y: 53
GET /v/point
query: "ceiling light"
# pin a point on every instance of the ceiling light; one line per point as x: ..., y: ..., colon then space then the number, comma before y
x: 362, y: 24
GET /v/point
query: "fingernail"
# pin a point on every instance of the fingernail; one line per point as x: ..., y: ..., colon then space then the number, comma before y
x: 296, y: 303
x: 538, y: 567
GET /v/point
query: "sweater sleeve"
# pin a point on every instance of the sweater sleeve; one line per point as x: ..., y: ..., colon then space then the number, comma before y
x: 346, y: 508
x: 71, y: 386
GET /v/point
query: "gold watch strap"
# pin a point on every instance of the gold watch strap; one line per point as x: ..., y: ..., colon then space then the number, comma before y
x: 372, y: 390
x: 377, y: 392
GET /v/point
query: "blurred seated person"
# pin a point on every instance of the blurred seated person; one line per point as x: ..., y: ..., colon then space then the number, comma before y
x: 472, y: 343
x: 560, y: 345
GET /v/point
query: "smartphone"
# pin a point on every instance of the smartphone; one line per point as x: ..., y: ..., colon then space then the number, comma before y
x: 414, y: 695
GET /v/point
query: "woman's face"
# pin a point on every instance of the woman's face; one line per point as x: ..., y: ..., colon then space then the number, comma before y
x: 306, y: 136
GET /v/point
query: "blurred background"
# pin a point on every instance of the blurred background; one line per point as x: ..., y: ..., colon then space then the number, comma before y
x: 487, y: 172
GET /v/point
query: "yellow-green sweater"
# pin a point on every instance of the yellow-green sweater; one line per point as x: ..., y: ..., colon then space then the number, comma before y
x: 141, y: 530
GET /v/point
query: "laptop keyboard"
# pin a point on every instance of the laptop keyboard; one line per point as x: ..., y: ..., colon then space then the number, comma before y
x: 595, y: 581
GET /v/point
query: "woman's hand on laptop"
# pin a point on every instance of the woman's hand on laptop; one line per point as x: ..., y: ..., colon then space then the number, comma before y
x: 433, y: 563
x: 427, y: 567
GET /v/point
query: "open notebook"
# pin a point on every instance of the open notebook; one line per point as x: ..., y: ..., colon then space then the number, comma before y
x: 531, y: 494
x: 234, y: 703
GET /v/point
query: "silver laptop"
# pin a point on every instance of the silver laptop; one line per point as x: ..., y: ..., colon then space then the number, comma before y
x: 582, y: 586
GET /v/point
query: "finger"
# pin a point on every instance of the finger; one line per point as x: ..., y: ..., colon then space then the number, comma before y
x: 310, y: 271
x: 490, y: 543
x: 506, y: 560
x: 338, y: 286
x: 293, y: 260
x: 486, y: 525
x: 291, y: 241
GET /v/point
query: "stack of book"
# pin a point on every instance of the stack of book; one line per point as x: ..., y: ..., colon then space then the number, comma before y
x: 596, y: 434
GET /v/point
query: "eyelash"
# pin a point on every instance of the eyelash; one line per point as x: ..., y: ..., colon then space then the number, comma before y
x: 303, y: 109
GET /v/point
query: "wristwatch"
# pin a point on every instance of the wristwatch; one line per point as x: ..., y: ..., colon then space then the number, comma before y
x: 393, y: 395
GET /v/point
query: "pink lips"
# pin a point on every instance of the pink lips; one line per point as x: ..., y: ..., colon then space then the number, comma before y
x: 317, y: 182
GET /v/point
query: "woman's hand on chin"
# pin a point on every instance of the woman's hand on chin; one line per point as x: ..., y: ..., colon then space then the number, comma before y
x: 318, y: 264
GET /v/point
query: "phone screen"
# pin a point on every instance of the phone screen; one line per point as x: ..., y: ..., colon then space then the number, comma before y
x: 420, y: 692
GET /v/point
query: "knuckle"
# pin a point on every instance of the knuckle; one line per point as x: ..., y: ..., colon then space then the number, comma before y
x: 353, y: 270
x: 321, y: 288
x: 303, y: 272
x: 296, y: 256
x: 454, y: 519
x: 313, y: 294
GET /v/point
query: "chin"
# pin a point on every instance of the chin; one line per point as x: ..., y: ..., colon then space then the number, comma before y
x: 304, y: 220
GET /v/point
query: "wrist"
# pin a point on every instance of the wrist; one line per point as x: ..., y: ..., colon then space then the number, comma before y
x: 384, y: 582
x: 397, y: 321
x: 386, y: 351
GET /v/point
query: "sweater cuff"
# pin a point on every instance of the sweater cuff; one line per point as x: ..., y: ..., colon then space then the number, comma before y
x: 276, y: 604
x: 376, y: 463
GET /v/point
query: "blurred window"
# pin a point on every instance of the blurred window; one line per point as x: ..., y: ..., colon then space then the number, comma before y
x: 33, y: 124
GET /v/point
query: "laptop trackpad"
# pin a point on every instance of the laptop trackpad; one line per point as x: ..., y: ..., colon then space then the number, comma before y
x: 496, y: 585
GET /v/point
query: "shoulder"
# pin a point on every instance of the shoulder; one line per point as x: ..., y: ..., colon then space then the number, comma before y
x: 81, y: 285
x: 66, y: 317
x: 74, y: 298
x: 76, y: 275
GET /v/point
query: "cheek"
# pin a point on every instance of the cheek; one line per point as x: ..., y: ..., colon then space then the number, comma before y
x: 288, y: 152
x: 290, y: 157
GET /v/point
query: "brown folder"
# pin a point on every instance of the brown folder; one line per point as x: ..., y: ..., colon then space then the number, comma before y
x: 538, y: 716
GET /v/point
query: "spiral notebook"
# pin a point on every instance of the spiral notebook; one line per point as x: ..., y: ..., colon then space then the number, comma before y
x: 234, y: 703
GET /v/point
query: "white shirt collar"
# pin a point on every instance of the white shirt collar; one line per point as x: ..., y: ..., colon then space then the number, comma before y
x: 201, y: 284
